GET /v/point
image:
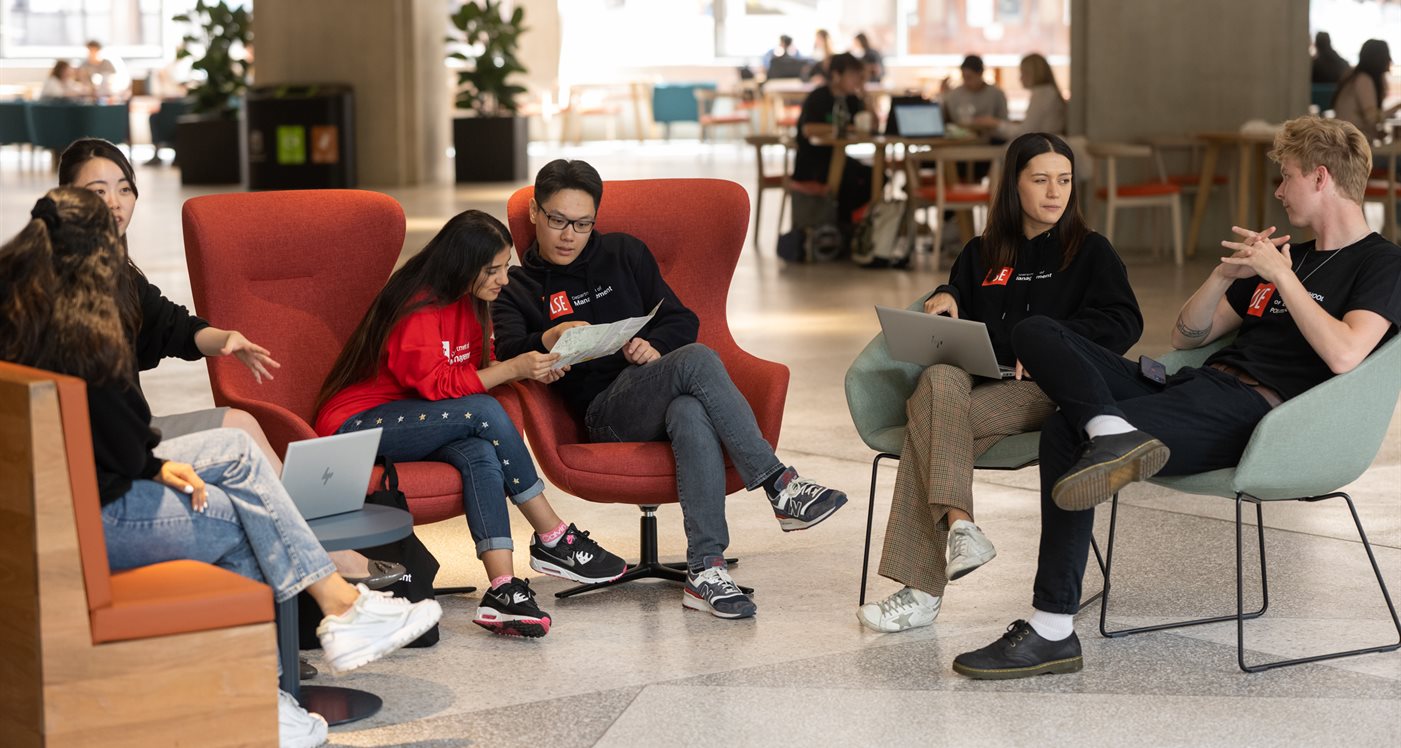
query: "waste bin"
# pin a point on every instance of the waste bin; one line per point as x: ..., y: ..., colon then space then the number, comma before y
x: 300, y: 136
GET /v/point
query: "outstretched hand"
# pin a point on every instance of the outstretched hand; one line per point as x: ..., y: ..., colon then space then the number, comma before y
x: 254, y: 356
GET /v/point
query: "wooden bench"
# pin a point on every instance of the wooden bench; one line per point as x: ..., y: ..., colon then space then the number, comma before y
x: 174, y: 653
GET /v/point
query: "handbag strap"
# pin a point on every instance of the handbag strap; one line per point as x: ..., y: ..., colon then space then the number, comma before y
x: 390, y: 477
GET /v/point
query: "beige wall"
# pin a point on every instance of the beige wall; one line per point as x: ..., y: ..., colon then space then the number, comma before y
x: 391, y: 51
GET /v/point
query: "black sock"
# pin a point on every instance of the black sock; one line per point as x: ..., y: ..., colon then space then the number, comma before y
x: 771, y: 479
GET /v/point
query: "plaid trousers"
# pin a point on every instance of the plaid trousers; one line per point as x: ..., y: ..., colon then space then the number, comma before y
x: 951, y: 422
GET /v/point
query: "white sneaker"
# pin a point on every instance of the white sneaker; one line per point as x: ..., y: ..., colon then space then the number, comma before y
x: 907, y: 609
x: 296, y: 727
x: 968, y: 549
x: 376, y: 625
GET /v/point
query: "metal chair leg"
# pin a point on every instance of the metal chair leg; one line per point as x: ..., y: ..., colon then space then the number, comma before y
x: 870, y: 519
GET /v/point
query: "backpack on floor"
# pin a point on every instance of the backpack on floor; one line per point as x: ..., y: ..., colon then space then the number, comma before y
x: 814, y: 236
x: 880, y: 239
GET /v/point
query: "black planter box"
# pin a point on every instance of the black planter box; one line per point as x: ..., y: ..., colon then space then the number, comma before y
x: 206, y: 149
x: 490, y: 149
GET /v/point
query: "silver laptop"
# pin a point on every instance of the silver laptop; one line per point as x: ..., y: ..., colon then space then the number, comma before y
x: 928, y: 339
x: 924, y: 120
x: 330, y: 475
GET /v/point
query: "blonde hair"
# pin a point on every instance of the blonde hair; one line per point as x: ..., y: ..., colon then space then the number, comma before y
x: 1037, y: 71
x: 1335, y: 144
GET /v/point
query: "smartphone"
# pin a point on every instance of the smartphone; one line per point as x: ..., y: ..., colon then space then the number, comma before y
x: 1153, y: 371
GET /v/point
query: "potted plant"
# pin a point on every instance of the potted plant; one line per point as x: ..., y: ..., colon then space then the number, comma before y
x: 207, y: 139
x: 491, y: 139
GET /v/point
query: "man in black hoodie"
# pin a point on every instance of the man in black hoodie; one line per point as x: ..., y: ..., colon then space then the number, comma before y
x: 662, y: 385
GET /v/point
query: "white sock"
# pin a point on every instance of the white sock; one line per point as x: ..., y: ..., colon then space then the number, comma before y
x: 1107, y: 426
x: 1052, y: 626
x: 923, y: 598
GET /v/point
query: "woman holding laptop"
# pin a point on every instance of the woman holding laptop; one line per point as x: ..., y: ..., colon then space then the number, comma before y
x: 1036, y: 257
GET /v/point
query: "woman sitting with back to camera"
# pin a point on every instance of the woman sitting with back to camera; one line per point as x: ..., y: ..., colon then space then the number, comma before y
x: 419, y: 366
x: 210, y: 496
x: 1035, y: 257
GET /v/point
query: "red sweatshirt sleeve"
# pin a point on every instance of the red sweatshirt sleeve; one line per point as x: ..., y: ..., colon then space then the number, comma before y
x: 416, y: 359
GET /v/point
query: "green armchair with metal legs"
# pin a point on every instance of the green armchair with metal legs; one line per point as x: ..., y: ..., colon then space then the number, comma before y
x: 1305, y: 450
x: 877, y: 387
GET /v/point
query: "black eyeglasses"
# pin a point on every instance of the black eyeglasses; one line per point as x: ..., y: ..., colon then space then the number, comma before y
x: 558, y: 222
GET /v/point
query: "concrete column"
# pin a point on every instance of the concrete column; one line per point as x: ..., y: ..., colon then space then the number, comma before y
x: 392, y: 52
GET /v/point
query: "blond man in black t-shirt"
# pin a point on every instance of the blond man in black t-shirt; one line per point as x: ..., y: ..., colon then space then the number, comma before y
x: 1301, y: 315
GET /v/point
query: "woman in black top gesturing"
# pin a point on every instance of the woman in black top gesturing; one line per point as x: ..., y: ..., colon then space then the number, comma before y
x: 1036, y: 257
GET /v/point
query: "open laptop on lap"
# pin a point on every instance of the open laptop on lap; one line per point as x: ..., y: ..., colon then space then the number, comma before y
x: 330, y: 475
x: 929, y: 339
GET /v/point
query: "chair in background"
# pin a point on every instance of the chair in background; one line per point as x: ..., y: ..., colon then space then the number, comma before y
x: 55, y: 125
x: 877, y: 387
x: 147, y: 656
x: 697, y: 260
x: 737, y: 117
x: 945, y: 193
x: 1321, y: 95
x: 297, y: 280
x: 1153, y: 193
x: 1186, y: 151
x: 675, y: 102
x: 163, y: 123
x: 1304, y: 450
x: 769, y: 181
x: 14, y: 126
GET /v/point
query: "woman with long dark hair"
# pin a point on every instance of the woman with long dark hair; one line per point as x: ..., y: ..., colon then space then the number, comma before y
x: 210, y: 496
x: 158, y: 328
x: 1361, y: 93
x: 419, y: 366
x: 1036, y: 257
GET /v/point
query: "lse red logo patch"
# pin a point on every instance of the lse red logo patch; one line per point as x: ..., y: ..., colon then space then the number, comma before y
x: 560, y: 306
x: 998, y: 277
x: 1260, y: 299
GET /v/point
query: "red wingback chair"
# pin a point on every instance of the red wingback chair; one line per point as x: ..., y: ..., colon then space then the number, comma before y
x: 697, y: 255
x: 295, y: 272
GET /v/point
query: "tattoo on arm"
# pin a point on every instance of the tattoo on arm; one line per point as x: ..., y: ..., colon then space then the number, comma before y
x: 1192, y: 333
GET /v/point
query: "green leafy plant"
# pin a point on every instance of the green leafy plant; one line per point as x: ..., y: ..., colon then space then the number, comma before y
x: 487, y: 41
x: 215, y: 31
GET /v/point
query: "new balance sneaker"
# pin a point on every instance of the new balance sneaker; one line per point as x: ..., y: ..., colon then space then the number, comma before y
x: 800, y: 503
x: 969, y: 548
x: 1021, y: 653
x: 907, y: 609
x: 576, y: 557
x: 714, y: 592
x: 510, y: 610
x: 296, y: 727
x: 377, y: 624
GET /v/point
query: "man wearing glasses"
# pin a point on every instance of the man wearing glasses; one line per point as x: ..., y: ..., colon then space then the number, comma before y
x: 662, y: 385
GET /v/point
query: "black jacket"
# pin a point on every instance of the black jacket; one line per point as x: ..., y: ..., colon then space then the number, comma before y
x: 167, y: 329
x: 613, y: 278
x: 1092, y: 296
x: 122, y: 439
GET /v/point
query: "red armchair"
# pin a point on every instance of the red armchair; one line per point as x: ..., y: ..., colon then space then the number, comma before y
x: 295, y: 272
x: 696, y: 229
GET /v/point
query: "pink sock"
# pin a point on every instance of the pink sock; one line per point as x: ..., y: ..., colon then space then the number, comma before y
x: 553, y: 536
x: 503, y: 579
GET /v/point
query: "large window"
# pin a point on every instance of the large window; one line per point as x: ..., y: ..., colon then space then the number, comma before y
x: 60, y: 28
x: 992, y: 28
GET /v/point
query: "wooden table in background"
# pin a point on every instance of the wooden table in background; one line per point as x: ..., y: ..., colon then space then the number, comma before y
x: 1250, y: 149
x: 882, y: 143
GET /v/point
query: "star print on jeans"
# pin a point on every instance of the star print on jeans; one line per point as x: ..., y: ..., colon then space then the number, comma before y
x: 378, y: 421
x: 495, y: 443
x: 422, y: 416
x: 486, y: 425
x: 507, y: 463
x: 401, y: 419
x: 357, y: 423
x: 516, y: 481
x: 469, y: 415
x: 445, y: 415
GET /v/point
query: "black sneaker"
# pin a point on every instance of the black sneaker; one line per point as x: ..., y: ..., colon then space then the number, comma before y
x: 1107, y: 464
x: 576, y: 557
x: 510, y: 610
x: 714, y: 592
x: 800, y: 503
x: 1021, y: 653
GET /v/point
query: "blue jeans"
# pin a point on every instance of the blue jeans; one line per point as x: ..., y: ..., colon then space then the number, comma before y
x: 687, y: 397
x: 474, y: 435
x: 251, y: 527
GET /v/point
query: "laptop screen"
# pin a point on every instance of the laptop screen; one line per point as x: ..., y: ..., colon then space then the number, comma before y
x: 920, y: 120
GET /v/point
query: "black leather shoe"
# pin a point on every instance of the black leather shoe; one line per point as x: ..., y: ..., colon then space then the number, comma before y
x: 382, y: 574
x: 1107, y: 465
x: 307, y: 671
x: 1021, y: 653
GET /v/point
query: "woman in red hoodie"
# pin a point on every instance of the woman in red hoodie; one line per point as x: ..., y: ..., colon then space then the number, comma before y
x: 419, y: 366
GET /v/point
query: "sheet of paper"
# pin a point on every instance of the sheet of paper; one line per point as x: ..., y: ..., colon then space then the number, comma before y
x: 579, y: 344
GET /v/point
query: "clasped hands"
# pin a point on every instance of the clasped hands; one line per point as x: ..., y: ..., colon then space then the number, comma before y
x: 1257, y: 253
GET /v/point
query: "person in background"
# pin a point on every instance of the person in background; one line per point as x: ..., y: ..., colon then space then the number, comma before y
x: 1046, y: 111
x: 1328, y: 65
x: 875, y: 64
x: 821, y: 55
x: 62, y: 83
x: 839, y: 98
x: 785, y: 48
x: 104, y: 73
x: 1361, y: 93
x: 975, y: 98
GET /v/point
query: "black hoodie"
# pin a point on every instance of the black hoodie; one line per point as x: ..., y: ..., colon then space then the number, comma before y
x: 1092, y: 296
x: 613, y: 278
